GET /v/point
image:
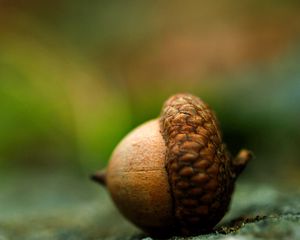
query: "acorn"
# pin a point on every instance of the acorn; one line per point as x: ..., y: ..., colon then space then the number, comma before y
x: 173, y: 175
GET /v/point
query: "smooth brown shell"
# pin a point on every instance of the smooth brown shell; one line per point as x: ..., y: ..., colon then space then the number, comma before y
x: 137, y: 179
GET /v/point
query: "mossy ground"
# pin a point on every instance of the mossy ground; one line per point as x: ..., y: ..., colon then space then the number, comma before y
x: 64, y: 206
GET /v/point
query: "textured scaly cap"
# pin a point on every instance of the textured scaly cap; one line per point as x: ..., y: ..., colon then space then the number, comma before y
x: 200, y: 170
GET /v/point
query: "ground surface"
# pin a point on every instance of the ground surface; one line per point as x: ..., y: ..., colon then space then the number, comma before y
x: 61, y: 206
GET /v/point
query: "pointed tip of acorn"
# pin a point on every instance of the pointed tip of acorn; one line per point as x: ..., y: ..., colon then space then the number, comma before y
x: 241, y: 160
x: 99, y: 177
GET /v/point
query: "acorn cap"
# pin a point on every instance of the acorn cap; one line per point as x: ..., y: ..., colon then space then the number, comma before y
x: 200, y: 170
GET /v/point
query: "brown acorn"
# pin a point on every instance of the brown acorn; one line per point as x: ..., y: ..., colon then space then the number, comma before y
x: 174, y: 175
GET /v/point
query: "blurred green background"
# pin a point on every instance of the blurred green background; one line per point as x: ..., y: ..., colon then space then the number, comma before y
x: 76, y: 76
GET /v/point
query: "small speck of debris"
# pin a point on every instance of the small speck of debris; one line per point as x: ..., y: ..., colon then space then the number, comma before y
x: 236, y: 224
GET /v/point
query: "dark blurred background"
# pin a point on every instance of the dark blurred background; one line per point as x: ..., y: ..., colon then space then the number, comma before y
x: 76, y: 76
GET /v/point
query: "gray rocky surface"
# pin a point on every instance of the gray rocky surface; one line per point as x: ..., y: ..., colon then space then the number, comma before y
x: 61, y: 206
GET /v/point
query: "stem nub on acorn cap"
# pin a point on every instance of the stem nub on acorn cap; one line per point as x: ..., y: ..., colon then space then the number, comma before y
x: 200, y: 170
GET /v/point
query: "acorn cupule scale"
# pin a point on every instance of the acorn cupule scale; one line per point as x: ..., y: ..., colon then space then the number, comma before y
x: 174, y: 175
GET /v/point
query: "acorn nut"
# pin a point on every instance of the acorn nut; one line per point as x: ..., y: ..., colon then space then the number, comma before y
x: 173, y: 175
